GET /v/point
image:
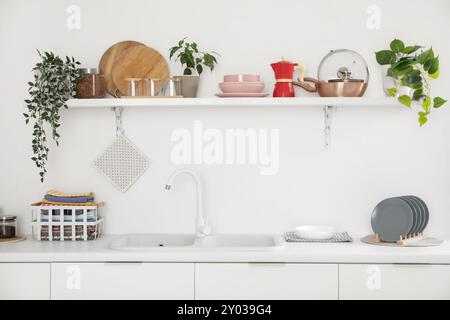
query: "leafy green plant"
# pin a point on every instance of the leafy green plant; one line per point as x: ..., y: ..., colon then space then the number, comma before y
x: 413, y: 67
x: 191, y: 58
x: 54, y: 83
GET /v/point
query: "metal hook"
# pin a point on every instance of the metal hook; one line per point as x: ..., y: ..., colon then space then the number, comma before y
x: 328, y: 113
x: 118, y: 113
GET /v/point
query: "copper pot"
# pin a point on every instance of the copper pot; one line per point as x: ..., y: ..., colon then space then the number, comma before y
x: 335, y: 87
x: 341, y: 73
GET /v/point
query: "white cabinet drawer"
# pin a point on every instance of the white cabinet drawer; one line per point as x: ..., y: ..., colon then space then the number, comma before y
x: 265, y: 281
x: 122, y: 281
x: 394, y: 282
x: 24, y: 281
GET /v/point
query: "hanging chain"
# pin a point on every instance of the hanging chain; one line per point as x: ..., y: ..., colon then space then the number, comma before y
x: 118, y: 112
x: 328, y: 110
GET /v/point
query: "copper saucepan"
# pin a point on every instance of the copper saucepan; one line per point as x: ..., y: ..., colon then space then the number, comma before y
x: 335, y: 87
x: 341, y: 73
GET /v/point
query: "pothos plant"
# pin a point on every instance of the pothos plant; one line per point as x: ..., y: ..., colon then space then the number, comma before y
x: 413, y: 67
x: 191, y: 58
x: 54, y: 83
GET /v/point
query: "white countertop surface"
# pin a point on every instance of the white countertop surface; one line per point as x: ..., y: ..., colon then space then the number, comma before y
x: 99, y: 251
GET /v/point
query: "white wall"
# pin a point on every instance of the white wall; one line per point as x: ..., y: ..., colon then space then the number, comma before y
x: 376, y: 152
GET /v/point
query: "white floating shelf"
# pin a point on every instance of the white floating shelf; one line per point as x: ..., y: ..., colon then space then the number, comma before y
x: 328, y: 104
x: 230, y: 102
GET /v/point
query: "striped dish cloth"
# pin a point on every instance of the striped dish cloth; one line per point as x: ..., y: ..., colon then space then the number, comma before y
x: 338, y: 237
x: 56, y: 193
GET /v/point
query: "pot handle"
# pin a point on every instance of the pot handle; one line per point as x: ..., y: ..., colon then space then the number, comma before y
x: 303, y: 84
x: 301, y: 70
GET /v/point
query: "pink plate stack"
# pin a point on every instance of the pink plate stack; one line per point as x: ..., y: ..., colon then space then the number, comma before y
x: 241, y: 85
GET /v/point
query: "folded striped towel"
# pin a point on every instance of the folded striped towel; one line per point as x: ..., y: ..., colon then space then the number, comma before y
x: 68, y: 199
x: 56, y: 193
x: 47, y: 202
x: 56, y: 197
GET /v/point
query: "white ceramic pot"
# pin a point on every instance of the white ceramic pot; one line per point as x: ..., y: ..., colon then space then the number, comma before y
x: 389, y: 82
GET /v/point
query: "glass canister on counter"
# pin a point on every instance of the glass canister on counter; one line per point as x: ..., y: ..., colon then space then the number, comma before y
x: 91, y: 84
x: 8, y: 227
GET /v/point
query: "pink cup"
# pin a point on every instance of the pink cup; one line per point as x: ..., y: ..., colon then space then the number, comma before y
x: 241, y: 78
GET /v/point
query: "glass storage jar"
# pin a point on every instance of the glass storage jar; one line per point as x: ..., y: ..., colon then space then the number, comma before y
x: 91, y: 84
x: 8, y: 227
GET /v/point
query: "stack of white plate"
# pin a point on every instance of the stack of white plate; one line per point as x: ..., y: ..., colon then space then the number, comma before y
x: 398, y: 217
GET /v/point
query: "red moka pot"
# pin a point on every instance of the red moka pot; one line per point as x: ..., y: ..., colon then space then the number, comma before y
x: 284, y: 74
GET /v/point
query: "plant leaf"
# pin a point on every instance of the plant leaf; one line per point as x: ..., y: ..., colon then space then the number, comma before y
x: 426, y: 104
x: 405, y: 100
x: 425, y: 56
x: 422, y: 118
x: 433, y: 66
x: 418, y: 94
x: 392, y: 92
x: 435, y: 75
x: 385, y: 57
x: 199, y: 69
x: 438, y: 102
x: 397, y: 46
x: 410, y: 49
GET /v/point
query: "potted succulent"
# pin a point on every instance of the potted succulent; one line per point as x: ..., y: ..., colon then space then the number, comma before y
x: 193, y: 62
x: 408, y: 71
x: 54, y: 83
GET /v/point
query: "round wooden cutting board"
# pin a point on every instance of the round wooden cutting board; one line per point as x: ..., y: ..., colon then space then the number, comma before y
x: 11, y: 240
x: 138, y: 62
x: 108, y: 61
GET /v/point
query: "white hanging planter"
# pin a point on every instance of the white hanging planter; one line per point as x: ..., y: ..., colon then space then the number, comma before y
x: 389, y: 83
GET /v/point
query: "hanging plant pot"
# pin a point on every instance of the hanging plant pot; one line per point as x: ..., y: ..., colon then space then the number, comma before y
x: 389, y: 82
x: 407, y: 74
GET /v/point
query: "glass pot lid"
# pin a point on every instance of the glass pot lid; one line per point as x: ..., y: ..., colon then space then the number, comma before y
x: 343, y: 65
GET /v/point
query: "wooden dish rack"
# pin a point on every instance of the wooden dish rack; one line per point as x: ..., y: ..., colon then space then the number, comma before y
x: 404, y: 240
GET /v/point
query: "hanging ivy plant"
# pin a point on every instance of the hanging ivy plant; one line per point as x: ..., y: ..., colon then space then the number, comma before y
x: 413, y: 67
x: 54, y: 83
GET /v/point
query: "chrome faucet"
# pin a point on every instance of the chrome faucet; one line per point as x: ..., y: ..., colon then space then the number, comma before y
x: 202, y: 227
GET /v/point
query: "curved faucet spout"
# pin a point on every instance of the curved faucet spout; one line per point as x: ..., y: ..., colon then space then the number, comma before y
x: 202, y: 227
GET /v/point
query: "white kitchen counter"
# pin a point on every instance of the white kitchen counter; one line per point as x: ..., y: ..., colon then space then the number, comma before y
x: 99, y: 251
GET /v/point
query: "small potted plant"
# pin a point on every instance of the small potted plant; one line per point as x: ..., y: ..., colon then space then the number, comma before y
x: 407, y: 72
x: 193, y: 62
x: 54, y: 83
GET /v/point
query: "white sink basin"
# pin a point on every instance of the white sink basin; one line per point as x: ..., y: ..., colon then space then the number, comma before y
x: 239, y: 242
x: 146, y: 241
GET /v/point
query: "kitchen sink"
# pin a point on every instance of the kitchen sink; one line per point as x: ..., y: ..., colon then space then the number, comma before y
x: 239, y: 242
x: 147, y: 241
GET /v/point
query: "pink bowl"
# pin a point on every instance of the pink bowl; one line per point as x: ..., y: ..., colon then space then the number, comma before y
x: 241, y: 78
x: 241, y: 87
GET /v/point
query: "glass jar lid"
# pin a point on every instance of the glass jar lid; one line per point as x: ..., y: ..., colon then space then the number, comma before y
x: 7, y: 218
x: 343, y: 65
x: 89, y: 71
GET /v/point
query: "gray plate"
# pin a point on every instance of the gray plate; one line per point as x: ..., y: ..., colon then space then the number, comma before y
x: 417, y: 215
x: 421, y: 222
x: 392, y: 218
x: 427, y: 213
